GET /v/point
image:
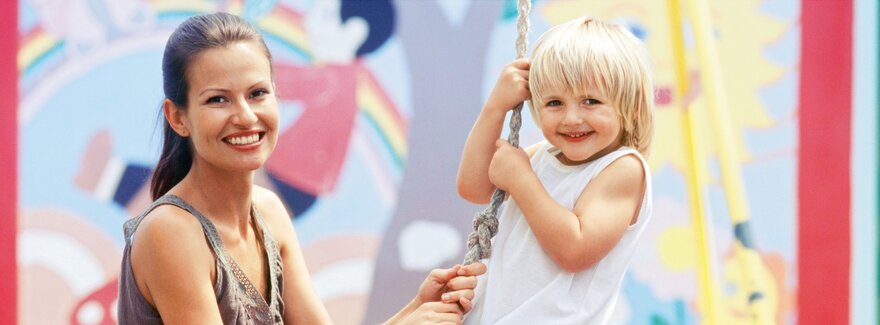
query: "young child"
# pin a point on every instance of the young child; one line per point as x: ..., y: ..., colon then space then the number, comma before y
x: 579, y: 200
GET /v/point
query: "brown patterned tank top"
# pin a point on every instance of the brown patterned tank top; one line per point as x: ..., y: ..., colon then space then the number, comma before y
x: 239, y: 301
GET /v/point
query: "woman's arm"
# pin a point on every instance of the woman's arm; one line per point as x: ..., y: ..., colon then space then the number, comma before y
x: 416, y: 313
x: 302, y: 304
x: 575, y: 239
x: 511, y: 89
x: 174, y: 267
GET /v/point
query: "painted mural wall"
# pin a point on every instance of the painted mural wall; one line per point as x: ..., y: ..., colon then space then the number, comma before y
x: 368, y: 155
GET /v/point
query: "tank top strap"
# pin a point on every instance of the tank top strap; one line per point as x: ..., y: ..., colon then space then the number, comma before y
x: 129, y: 227
x: 623, y: 151
x: 587, y: 172
x: 170, y: 199
x: 610, y: 157
x: 544, y: 148
x: 268, y: 240
x: 210, y: 231
x: 276, y: 271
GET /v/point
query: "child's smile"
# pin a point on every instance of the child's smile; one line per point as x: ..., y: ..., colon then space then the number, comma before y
x: 577, y: 136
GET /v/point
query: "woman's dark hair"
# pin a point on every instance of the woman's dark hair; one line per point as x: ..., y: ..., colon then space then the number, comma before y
x: 193, y: 36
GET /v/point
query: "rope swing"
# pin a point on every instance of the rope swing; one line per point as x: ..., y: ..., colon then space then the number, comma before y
x: 486, y: 223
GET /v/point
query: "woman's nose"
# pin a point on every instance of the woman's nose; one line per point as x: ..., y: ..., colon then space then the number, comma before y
x: 244, y: 115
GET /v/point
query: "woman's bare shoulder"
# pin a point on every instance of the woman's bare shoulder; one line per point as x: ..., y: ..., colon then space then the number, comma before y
x: 274, y: 213
x: 169, y: 247
x: 269, y: 203
x: 167, y: 222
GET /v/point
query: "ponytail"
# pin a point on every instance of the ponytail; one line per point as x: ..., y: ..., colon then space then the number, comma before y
x: 174, y: 164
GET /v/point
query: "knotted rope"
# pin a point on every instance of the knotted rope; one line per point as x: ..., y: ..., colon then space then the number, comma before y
x: 486, y: 222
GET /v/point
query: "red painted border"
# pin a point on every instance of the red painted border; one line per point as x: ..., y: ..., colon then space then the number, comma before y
x: 8, y: 160
x: 824, y: 162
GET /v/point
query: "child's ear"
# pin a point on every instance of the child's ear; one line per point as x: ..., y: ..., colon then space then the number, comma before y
x: 176, y: 117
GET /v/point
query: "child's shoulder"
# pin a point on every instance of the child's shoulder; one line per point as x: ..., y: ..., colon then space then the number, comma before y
x: 532, y: 149
x: 625, y: 166
x: 628, y: 163
x: 624, y: 159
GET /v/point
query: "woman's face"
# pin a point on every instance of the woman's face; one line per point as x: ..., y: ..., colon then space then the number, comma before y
x: 232, y: 115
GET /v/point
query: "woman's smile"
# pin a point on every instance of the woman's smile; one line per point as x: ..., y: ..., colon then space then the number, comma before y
x: 245, y: 141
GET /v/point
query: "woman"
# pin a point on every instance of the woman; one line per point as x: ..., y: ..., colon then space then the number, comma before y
x: 213, y: 247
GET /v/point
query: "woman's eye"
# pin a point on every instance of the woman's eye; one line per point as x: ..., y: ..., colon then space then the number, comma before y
x: 258, y: 93
x: 216, y: 100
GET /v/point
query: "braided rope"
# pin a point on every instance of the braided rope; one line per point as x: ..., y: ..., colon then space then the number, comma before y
x: 486, y: 223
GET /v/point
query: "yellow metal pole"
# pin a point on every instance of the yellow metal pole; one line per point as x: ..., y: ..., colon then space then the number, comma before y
x: 694, y: 174
x: 729, y: 160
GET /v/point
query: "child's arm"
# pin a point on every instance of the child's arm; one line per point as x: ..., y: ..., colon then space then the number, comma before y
x: 576, y: 239
x: 511, y: 89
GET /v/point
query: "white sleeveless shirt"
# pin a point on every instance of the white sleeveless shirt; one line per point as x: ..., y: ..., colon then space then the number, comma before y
x: 524, y: 286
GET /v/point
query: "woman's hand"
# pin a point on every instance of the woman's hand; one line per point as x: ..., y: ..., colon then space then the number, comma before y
x: 452, y: 285
x: 434, y: 313
x: 511, y: 88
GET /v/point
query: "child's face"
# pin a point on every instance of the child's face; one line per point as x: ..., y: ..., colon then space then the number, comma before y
x: 583, y: 127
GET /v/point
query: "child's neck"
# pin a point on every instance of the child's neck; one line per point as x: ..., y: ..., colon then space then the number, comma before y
x: 568, y: 162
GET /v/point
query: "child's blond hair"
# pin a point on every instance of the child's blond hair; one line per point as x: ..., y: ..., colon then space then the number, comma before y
x: 584, y: 52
